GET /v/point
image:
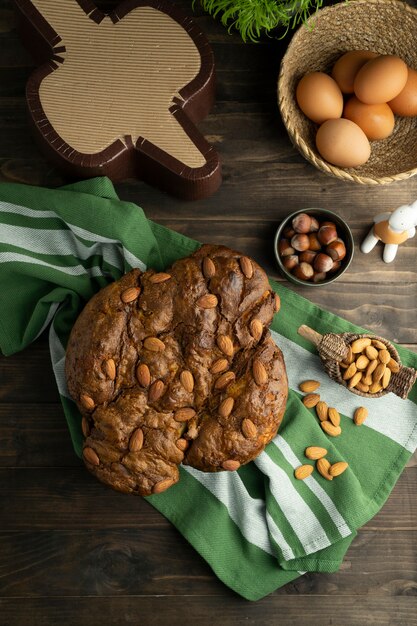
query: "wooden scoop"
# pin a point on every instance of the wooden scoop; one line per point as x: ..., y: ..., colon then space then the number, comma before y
x: 334, y: 348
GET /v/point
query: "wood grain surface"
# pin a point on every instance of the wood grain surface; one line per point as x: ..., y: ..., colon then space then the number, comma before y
x: 73, y: 552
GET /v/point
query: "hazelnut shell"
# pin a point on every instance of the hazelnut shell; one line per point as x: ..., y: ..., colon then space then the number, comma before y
x: 289, y: 262
x: 318, y: 277
x: 314, y: 225
x: 323, y: 262
x: 314, y: 243
x: 307, y: 256
x: 327, y: 233
x: 284, y: 248
x: 300, y: 242
x: 301, y: 223
x: 303, y: 271
x: 336, y: 250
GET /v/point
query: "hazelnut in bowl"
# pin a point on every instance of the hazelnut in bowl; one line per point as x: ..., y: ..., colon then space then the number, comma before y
x: 313, y: 247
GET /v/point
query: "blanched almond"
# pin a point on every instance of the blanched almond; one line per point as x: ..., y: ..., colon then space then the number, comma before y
x: 360, y: 344
x: 351, y: 371
x: 246, y: 266
x: 209, y: 269
x: 360, y: 415
x: 87, y: 402
x: 136, y: 440
x: 362, y: 362
x: 322, y: 410
x: 156, y: 390
x: 91, y: 456
x: 334, y: 416
x: 393, y: 366
x: 323, y: 467
x: 225, y: 344
x: 226, y: 407
x: 379, y: 372
x: 360, y: 386
x: 259, y: 372
x: 224, y: 380
x: 143, y: 375
x: 302, y: 472
x: 161, y: 277
x: 153, y: 344
x: 371, y: 352
x: 130, y: 294
x: 219, y: 366
x: 249, y: 429
x: 354, y: 380
x: 375, y: 387
x: 309, y: 385
x: 163, y: 485
x: 350, y: 357
x: 109, y: 368
x: 277, y: 303
x: 85, y: 427
x: 384, y: 356
x: 230, y: 465
x: 330, y: 429
x: 371, y: 367
x: 187, y: 380
x: 256, y: 329
x: 366, y: 380
x: 311, y: 400
x: 315, y: 452
x: 386, y: 378
x: 184, y: 414
x: 208, y: 301
x: 338, y: 468
x: 378, y: 344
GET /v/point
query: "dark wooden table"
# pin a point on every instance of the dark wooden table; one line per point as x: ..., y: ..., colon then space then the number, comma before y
x: 72, y: 551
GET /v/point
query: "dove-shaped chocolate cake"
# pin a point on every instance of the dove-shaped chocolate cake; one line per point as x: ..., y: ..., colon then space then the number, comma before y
x: 119, y: 94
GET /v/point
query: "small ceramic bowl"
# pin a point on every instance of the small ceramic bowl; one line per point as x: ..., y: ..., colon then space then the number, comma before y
x: 344, y: 233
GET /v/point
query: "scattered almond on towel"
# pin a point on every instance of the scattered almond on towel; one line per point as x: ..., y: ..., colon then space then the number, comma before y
x: 330, y: 422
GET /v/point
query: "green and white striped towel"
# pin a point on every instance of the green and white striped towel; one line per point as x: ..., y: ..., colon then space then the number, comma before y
x: 259, y: 527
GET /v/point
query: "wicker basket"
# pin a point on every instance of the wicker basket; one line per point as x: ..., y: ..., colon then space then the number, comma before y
x: 332, y: 349
x: 384, y: 26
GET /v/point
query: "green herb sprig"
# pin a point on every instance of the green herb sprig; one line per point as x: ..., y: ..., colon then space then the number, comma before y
x: 252, y: 18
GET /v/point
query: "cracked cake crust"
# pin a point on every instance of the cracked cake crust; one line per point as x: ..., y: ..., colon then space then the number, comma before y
x: 177, y: 367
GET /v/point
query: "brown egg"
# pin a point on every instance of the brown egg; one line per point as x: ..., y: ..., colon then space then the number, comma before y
x: 341, y: 142
x: 319, y: 97
x: 376, y: 120
x: 348, y: 65
x: 381, y: 79
x: 406, y: 102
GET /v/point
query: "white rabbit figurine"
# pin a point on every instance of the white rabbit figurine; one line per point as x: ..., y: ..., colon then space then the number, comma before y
x: 392, y: 228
